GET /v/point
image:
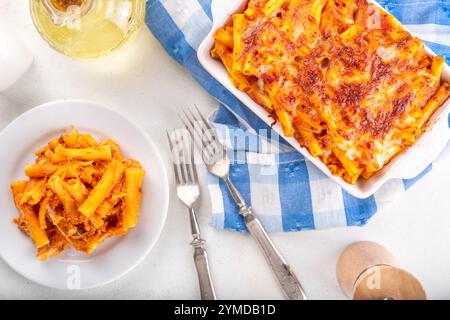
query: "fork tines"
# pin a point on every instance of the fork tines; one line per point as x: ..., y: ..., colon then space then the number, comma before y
x: 202, y: 133
x: 182, y: 157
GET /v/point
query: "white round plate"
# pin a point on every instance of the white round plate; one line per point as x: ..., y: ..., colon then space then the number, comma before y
x: 114, y: 257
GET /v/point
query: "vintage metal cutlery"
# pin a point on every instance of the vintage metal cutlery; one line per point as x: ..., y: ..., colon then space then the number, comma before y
x: 218, y: 163
x: 188, y: 192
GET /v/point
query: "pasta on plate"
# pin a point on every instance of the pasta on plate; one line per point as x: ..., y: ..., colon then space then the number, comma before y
x: 78, y: 193
x: 341, y: 76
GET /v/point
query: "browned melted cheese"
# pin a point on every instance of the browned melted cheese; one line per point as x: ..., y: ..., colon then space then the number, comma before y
x: 342, y: 76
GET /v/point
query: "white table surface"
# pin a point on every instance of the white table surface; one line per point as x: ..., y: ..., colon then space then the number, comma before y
x: 143, y: 82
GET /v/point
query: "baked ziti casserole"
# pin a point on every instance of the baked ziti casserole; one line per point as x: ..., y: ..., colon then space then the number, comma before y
x: 341, y: 76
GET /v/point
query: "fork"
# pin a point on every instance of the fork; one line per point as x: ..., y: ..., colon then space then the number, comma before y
x: 188, y: 192
x: 217, y: 162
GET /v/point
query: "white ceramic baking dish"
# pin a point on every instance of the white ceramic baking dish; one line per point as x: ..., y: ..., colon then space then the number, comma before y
x: 406, y: 165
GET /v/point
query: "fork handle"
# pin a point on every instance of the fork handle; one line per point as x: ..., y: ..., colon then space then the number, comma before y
x: 204, y: 276
x: 288, y: 280
x: 201, y: 260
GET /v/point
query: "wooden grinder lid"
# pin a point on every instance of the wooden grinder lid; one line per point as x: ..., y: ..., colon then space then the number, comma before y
x: 357, y: 258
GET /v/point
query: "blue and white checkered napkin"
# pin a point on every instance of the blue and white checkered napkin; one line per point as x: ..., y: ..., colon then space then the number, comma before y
x: 287, y: 192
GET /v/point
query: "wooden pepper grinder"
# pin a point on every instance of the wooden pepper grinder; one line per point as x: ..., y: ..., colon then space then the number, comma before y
x: 368, y: 271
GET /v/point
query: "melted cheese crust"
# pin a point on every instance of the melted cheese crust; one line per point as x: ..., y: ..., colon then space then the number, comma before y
x: 342, y: 76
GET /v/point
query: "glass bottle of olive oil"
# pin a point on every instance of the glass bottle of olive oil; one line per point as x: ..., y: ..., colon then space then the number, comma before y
x: 87, y: 29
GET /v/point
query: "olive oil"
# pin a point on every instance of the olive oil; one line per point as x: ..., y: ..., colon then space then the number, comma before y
x: 87, y: 29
